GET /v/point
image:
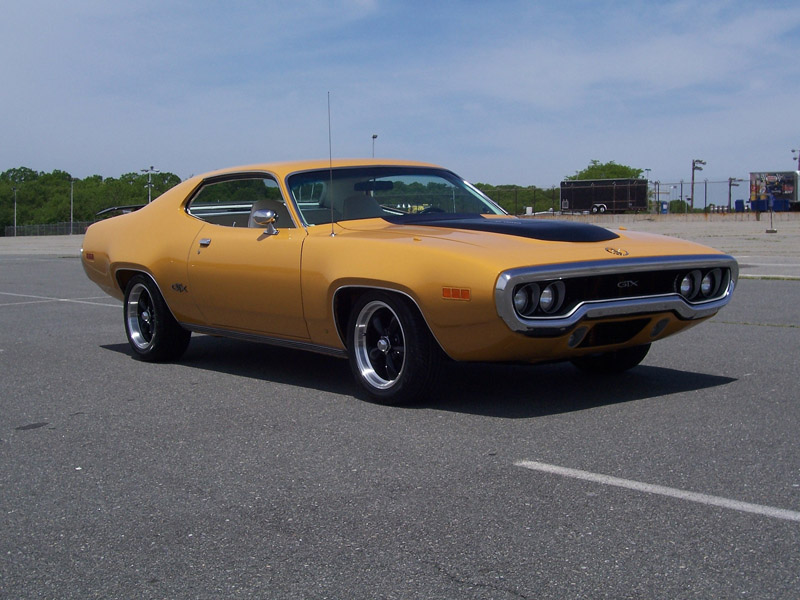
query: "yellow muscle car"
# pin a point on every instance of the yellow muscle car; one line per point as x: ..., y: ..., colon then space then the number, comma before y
x: 395, y: 265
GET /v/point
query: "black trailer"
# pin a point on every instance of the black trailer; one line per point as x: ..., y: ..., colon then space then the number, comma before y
x: 604, y: 195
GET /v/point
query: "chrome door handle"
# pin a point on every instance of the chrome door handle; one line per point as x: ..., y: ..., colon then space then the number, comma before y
x: 205, y: 242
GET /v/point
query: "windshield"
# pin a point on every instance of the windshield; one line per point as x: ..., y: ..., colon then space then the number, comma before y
x: 367, y: 192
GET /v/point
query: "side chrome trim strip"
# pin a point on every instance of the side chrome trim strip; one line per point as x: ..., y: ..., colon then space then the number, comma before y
x: 596, y: 309
x: 264, y: 339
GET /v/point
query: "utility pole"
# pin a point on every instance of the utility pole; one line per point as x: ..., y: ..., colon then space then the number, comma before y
x: 696, y: 167
x: 71, y: 202
x: 732, y: 184
x: 15, y: 211
x: 149, y: 185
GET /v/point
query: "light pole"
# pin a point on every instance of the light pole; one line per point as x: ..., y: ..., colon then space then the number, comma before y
x: 797, y: 158
x: 374, y: 137
x: 71, y: 202
x: 149, y: 185
x: 696, y: 167
x: 15, y: 211
x: 732, y: 184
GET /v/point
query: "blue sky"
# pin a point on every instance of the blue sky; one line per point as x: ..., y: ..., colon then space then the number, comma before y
x: 521, y: 92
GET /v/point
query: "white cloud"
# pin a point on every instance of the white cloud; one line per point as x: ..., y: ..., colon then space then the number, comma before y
x: 510, y: 91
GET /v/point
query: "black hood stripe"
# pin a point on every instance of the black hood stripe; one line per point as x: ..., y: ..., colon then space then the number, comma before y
x: 537, y: 229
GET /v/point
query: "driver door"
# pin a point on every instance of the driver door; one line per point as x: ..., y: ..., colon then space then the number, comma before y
x: 246, y: 278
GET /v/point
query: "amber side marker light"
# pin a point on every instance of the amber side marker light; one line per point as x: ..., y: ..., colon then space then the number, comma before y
x: 449, y: 293
x: 89, y: 256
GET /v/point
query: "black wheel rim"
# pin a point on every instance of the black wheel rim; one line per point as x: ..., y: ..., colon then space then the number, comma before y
x: 379, y: 345
x: 140, y: 316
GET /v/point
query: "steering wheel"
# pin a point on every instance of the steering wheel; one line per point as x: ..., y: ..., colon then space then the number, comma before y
x: 431, y: 209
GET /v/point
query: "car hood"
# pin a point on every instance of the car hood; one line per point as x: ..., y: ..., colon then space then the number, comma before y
x: 513, y: 242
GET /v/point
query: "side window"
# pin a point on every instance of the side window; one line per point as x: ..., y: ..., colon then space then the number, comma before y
x: 232, y: 202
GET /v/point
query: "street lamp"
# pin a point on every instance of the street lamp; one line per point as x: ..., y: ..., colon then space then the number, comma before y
x: 71, y: 202
x: 696, y: 167
x: 149, y: 185
x: 732, y: 183
x: 797, y: 158
x: 374, y: 137
x: 15, y: 211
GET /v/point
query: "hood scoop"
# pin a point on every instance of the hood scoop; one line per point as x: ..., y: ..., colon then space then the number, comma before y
x: 537, y: 229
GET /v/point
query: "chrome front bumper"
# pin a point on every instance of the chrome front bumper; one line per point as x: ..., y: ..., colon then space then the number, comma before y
x: 549, y: 326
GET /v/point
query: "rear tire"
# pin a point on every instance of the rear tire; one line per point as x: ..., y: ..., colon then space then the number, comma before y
x: 393, y: 355
x: 153, y: 333
x: 610, y: 363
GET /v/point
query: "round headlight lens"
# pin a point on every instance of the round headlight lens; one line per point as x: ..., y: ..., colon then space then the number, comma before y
x: 687, y: 286
x: 525, y: 299
x: 521, y: 300
x: 707, y: 285
x: 552, y: 297
x: 690, y: 284
x: 548, y: 298
x: 711, y: 282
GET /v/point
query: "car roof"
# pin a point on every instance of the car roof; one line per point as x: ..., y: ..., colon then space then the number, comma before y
x: 282, y: 169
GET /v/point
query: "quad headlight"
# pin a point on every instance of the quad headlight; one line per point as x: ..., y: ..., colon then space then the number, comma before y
x: 689, y: 284
x: 531, y: 299
x: 526, y: 299
x: 701, y: 285
x: 710, y: 284
x: 552, y: 297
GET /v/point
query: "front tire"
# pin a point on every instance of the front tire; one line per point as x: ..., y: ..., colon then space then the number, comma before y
x: 393, y: 355
x: 609, y: 363
x: 153, y: 333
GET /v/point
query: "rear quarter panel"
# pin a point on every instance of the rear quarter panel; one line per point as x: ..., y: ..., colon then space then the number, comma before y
x: 155, y: 239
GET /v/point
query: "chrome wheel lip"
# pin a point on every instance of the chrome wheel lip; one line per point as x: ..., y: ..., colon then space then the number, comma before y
x: 363, y: 347
x: 139, y: 313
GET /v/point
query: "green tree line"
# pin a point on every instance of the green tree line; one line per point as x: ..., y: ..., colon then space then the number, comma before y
x: 45, y: 197
x: 515, y: 198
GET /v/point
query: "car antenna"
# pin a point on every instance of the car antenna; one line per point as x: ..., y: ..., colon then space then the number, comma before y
x: 330, y: 164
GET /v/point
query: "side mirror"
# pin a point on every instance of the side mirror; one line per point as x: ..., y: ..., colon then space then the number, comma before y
x: 266, y: 219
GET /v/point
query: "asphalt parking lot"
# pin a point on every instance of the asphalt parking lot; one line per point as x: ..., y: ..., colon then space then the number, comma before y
x: 246, y: 471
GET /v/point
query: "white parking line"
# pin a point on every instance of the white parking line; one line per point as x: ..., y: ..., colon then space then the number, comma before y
x: 759, y: 509
x: 45, y: 299
x: 26, y: 302
x: 790, y: 265
x: 767, y: 276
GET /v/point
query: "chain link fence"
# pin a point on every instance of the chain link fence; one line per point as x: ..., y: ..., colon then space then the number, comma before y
x: 709, y: 196
x: 76, y: 228
x: 520, y: 201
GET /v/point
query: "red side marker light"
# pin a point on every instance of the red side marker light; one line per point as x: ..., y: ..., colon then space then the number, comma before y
x: 450, y: 293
